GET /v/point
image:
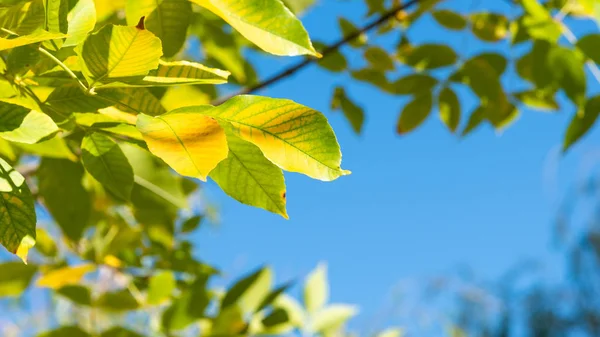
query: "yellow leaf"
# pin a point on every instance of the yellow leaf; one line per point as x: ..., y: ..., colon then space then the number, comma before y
x: 58, y: 278
x: 191, y: 143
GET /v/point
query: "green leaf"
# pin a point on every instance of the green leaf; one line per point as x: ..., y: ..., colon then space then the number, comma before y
x: 333, y: 317
x: 71, y: 331
x: 379, y: 59
x: 17, y: 224
x: 35, y: 37
x: 77, y: 294
x: 475, y: 120
x: 568, y: 70
x: 31, y: 126
x: 119, y: 53
x: 292, y: 136
x: 538, y: 99
x: 56, y: 15
x: 449, y: 19
x: 188, y: 308
x: 104, y: 160
x: 191, y: 143
x: 490, y: 27
x: 117, y: 301
x: 539, y: 23
x: 276, y: 317
x: 374, y: 77
x: 191, y: 224
x: 64, y: 196
x: 52, y: 148
x: 267, y: 23
x: 178, y: 73
x: 161, y: 287
x: 580, y: 125
x: 413, y: 84
x: 316, y: 289
x: 22, y: 18
x: 414, y: 113
x: 588, y: 45
x: 44, y: 243
x: 82, y: 20
x: 353, y: 113
x: 334, y: 61
x: 250, y: 178
x: 167, y: 19
x: 21, y: 59
x: 449, y: 107
x: 249, y: 292
x: 430, y: 56
x: 119, y: 332
x: 70, y: 98
x: 348, y: 28
x: 15, y: 278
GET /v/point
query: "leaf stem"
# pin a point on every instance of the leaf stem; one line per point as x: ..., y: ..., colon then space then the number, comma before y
x: 82, y: 86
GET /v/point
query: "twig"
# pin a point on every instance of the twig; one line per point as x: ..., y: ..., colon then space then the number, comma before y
x: 65, y: 68
x: 327, y: 51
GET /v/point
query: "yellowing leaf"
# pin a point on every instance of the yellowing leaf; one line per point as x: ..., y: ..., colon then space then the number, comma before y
x: 294, y: 137
x: 117, y: 53
x: 191, y: 143
x: 17, y: 209
x: 31, y: 126
x: 316, y: 289
x: 250, y: 178
x: 267, y: 23
x: 332, y: 317
x: 58, y: 278
x: 160, y: 287
x: 82, y: 20
x: 37, y: 36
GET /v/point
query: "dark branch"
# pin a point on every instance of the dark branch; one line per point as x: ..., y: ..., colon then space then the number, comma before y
x: 327, y: 51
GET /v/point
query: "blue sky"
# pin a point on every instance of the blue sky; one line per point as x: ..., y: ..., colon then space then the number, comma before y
x: 415, y: 206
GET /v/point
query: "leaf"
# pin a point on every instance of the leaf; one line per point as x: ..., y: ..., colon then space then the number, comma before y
x: 160, y: 287
x: 391, y: 332
x: 353, y: 113
x: 568, y: 70
x: 374, y: 77
x: 292, y: 136
x: 104, y: 160
x: 316, y: 289
x: 538, y: 99
x: 17, y: 223
x: 332, y: 317
x: 580, y: 125
x: 476, y: 118
x: 191, y: 224
x: 276, y: 317
x: 15, y: 278
x: 82, y: 20
x: 430, y: 56
x: 449, y: 107
x: 334, y: 61
x: 178, y: 73
x: 587, y: 44
x: 267, y: 23
x: 35, y: 37
x: 52, y: 148
x: 413, y: 84
x: 32, y: 126
x: 69, y: 275
x: 77, y: 294
x: 21, y: 59
x: 167, y: 19
x: 188, y: 308
x: 191, y: 143
x: 116, y: 301
x: 348, y: 28
x: 117, y: 53
x: 71, y: 331
x: 250, y: 178
x: 249, y: 292
x: 70, y: 98
x: 56, y: 15
x: 449, y: 19
x: 64, y: 196
x: 490, y: 27
x: 44, y: 243
x: 23, y: 18
x: 414, y: 113
x: 539, y: 23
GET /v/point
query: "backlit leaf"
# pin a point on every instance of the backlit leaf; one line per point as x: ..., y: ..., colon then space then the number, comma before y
x: 316, y: 289
x: 414, y: 113
x: 191, y: 143
x: 32, y: 126
x: 449, y: 107
x: 69, y: 275
x: 161, y: 286
x: 17, y: 223
x: 56, y: 15
x: 490, y: 27
x: 250, y: 178
x: 119, y: 332
x: 118, y: 53
x: 267, y: 23
x: 15, y: 278
x: 294, y: 137
x: 250, y: 291
x: 379, y: 59
x: 35, y: 37
x: 104, y: 160
x: 333, y: 317
x: 82, y: 20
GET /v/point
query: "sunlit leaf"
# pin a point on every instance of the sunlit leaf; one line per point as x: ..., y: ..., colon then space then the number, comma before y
x: 247, y: 176
x: 538, y: 99
x: 56, y: 15
x: 267, y: 23
x: 35, y: 37
x: 104, y: 160
x: 190, y: 142
x: 414, y: 113
x: 490, y: 27
x: 17, y: 224
x: 449, y: 107
x: 31, y: 126
x: 413, y: 84
x: 52, y: 148
x: 82, y: 20
x: 430, y: 56
x: 332, y: 317
x: 379, y: 58
x: 69, y: 275
x: 316, y: 289
x: 160, y: 287
x: 294, y: 137
x: 249, y: 292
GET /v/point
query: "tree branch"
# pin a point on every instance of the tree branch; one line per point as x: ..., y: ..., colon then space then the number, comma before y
x: 327, y: 51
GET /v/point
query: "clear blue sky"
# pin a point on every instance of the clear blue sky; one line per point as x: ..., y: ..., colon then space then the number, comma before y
x: 415, y: 206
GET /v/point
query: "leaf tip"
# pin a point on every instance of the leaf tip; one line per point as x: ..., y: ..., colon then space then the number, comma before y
x: 141, y: 25
x: 26, y: 243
